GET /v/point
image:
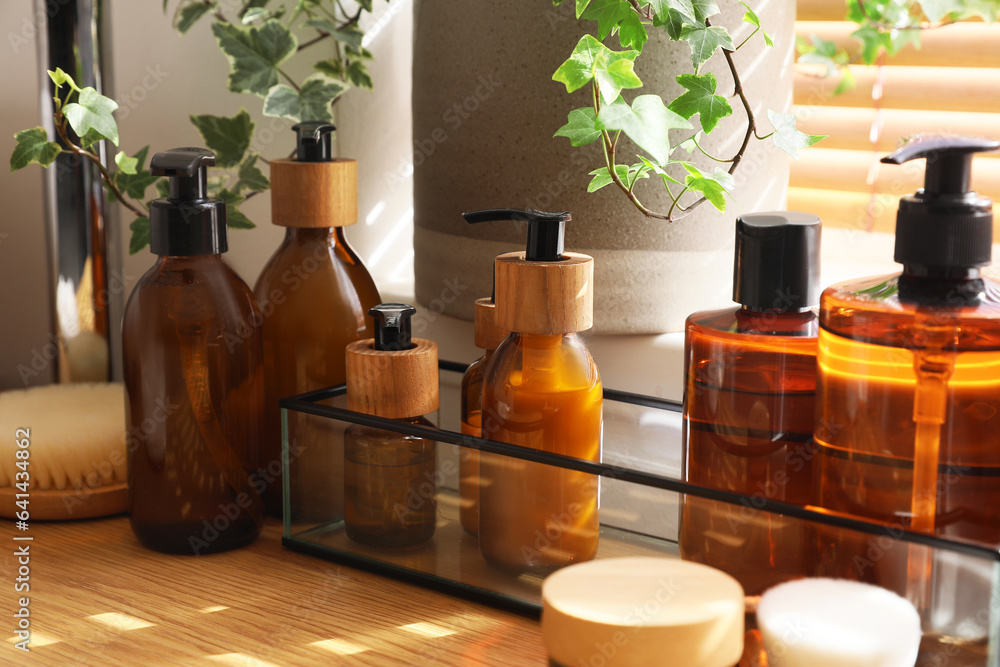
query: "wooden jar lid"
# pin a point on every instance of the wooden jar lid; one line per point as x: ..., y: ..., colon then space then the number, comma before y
x: 637, y: 612
x: 487, y: 334
x: 314, y: 194
x: 393, y: 385
x: 545, y: 297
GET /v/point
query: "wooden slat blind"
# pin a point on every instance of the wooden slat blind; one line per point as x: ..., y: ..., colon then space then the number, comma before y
x: 951, y: 85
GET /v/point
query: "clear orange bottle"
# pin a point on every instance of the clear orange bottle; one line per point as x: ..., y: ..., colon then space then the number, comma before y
x: 749, y: 394
x: 909, y: 400
x: 487, y: 337
x: 390, y: 479
x: 314, y: 294
x: 193, y: 376
x: 541, y: 390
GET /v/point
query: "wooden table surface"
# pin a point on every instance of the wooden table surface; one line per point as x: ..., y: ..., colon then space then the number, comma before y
x: 98, y: 597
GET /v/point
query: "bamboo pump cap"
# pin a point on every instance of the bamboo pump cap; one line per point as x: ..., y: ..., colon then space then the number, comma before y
x: 315, y: 189
x: 542, y: 290
x: 392, y: 375
x: 487, y: 334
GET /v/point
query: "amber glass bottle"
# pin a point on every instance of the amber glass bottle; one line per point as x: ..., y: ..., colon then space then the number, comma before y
x: 487, y: 336
x: 193, y: 377
x: 541, y: 390
x: 390, y: 479
x: 314, y: 293
x: 750, y: 386
x: 909, y: 400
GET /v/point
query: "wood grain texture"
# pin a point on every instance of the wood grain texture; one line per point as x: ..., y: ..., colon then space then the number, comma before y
x: 487, y: 335
x: 545, y: 297
x: 261, y: 605
x: 314, y: 194
x: 393, y: 385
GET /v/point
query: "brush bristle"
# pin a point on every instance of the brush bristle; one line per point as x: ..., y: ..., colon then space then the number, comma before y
x: 77, y: 435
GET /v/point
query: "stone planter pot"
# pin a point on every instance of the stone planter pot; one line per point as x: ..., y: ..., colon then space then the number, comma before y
x: 484, y: 112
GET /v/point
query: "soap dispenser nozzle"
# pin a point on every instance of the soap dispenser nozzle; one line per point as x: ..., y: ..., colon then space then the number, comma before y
x: 187, y: 169
x: 545, y: 230
x: 949, y: 161
x: 393, y: 326
x: 315, y: 141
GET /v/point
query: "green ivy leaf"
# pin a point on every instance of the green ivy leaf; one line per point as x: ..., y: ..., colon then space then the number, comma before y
x: 126, y: 164
x: 674, y: 23
x: 602, y: 177
x: 646, y: 122
x: 608, y: 14
x: 163, y: 188
x: 251, y: 178
x: 332, y: 67
x: 357, y: 74
x: 787, y: 137
x: 662, y: 9
x: 188, y: 13
x: 632, y: 32
x: 872, y: 43
x: 846, y: 82
x: 352, y: 35
x: 592, y: 60
x: 91, y: 117
x: 234, y: 217
x: 701, y: 99
x: 60, y: 78
x: 228, y: 138
x: 704, y: 9
x: 140, y: 235
x: 134, y: 184
x: 635, y: 172
x: 725, y: 179
x: 33, y: 147
x: 260, y: 13
x: 366, y: 5
x: 254, y: 54
x: 708, y: 186
x: 657, y: 169
x: 581, y: 128
x: 581, y: 6
x: 751, y: 17
x: 312, y: 102
x: 704, y: 41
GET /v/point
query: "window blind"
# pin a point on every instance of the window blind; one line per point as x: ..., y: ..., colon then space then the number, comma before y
x: 950, y: 85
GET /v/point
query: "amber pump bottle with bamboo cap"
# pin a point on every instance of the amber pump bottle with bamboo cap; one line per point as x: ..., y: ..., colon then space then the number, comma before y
x: 541, y: 390
x: 390, y: 478
x: 314, y: 294
x: 194, y: 385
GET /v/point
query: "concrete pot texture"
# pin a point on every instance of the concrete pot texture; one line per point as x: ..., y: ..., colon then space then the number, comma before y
x: 485, y: 109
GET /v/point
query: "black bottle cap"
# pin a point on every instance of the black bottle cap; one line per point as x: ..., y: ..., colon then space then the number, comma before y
x: 545, y: 230
x: 777, y: 261
x: 392, y: 326
x: 944, y: 225
x: 315, y: 141
x: 188, y: 223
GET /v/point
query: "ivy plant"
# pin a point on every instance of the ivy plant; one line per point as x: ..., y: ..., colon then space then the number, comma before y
x: 647, y: 118
x: 258, y: 41
x: 884, y: 28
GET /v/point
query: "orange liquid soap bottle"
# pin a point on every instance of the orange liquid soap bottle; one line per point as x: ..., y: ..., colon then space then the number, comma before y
x: 194, y: 385
x: 909, y: 400
x: 750, y: 386
x: 390, y: 482
x: 541, y: 390
x: 487, y: 337
x: 314, y: 294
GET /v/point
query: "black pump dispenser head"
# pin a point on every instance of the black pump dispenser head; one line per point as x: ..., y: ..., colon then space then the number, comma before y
x: 944, y: 226
x: 545, y: 230
x: 315, y: 141
x: 188, y: 223
x: 392, y: 326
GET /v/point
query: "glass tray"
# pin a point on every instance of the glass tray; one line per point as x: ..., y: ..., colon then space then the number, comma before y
x: 640, y: 505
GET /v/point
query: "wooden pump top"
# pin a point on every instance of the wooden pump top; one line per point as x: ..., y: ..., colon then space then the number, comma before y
x: 392, y: 375
x: 314, y: 194
x: 487, y: 334
x: 536, y: 297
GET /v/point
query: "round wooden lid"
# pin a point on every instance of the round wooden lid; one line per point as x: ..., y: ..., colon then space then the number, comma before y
x: 314, y: 194
x: 643, y: 611
x: 394, y: 385
x: 544, y: 297
x: 487, y: 334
